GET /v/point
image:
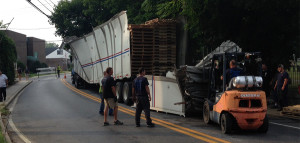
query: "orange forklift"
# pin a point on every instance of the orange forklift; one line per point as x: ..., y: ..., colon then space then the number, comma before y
x: 236, y: 99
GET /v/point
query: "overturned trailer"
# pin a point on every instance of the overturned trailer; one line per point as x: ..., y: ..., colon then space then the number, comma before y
x: 152, y: 45
x: 125, y: 48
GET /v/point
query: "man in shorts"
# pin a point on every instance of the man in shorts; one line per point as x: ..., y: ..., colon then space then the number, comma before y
x: 101, y: 111
x: 110, y: 98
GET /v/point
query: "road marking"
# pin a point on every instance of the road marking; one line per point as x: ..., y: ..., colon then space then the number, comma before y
x: 11, y: 123
x: 13, y: 126
x: 177, y: 128
x: 284, y: 125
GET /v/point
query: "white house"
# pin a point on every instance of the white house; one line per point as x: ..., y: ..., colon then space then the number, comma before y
x: 56, y: 56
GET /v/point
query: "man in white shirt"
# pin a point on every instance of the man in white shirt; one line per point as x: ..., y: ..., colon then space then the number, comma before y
x: 3, y: 85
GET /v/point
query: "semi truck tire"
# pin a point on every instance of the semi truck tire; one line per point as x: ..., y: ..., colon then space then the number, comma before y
x: 76, y: 84
x: 73, y: 81
x: 119, y: 89
x: 127, y: 92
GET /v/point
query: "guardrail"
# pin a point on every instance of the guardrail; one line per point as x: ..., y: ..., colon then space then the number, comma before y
x: 49, y: 70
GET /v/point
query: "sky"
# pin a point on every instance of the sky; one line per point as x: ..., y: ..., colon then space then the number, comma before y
x: 28, y: 20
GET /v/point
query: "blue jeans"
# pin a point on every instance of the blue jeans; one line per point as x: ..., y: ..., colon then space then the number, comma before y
x: 101, y: 111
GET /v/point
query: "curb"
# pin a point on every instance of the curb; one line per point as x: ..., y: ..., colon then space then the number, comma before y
x: 7, y: 138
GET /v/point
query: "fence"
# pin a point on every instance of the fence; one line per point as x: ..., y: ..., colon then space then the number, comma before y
x: 294, y: 73
x: 49, y: 70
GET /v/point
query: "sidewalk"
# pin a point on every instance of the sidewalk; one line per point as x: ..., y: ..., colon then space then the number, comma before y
x: 13, y: 90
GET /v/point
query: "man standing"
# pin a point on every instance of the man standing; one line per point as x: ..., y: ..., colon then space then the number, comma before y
x: 110, y: 98
x: 19, y: 73
x: 3, y: 85
x: 101, y: 111
x: 58, y: 71
x: 281, y: 86
x: 266, y: 79
x: 26, y: 73
x: 141, y: 95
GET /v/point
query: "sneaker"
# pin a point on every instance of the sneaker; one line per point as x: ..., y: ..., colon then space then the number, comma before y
x: 137, y: 125
x: 118, y: 122
x: 150, y: 125
x: 106, y: 124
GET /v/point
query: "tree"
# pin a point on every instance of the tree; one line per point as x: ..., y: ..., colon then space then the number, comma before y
x: 51, y: 45
x: 8, y: 56
x: 255, y: 25
x: 69, y: 19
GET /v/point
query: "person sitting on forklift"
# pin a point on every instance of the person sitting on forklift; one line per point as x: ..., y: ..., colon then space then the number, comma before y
x: 234, y: 71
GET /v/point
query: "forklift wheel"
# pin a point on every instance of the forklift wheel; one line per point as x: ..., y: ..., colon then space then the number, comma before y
x: 265, y: 126
x: 226, y: 123
x: 206, y: 113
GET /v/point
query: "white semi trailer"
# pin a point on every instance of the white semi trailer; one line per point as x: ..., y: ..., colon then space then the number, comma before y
x: 108, y: 45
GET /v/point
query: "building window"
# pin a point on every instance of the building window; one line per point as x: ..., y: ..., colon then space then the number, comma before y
x: 59, y: 52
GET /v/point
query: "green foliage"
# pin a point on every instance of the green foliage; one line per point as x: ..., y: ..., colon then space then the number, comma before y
x: 69, y: 19
x: 21, y: 65
x: 256, y: 25
x: 265, y: 26
x: 51, y: 45
x: 33, y: 64
x: 169, y: 9
x: 8, y: 56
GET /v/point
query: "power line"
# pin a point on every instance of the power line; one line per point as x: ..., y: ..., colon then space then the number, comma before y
x: 52, y: 2
x: 49, y: 4
x: 29, y: 1
x: 44, y: 6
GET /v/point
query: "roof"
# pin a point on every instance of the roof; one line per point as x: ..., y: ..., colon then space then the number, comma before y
x: 49, y: 50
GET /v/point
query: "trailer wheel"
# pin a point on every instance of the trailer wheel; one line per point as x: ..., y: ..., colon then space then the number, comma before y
x: 76, y: 84
x: 119, y: 89
x: 265, y: 126
x: 226, y: 123
x: 127, y: 90
x: 73, y: 81
x: 206, y: 111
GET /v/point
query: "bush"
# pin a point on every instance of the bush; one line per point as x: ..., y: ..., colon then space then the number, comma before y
x: 34, y: 64
x: 8, y: 56
x: 21, y: 65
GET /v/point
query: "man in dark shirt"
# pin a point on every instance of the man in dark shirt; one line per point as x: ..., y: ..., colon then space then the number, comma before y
x: 141, y: 95
x: 281, y: 86
x: 266, y: 79
x: 232, y: 72
x: 109, y: 95
x: 101, y: 111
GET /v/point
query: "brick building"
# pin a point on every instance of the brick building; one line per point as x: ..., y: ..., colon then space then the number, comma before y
x: 36, y: 48
x: 21, y: 45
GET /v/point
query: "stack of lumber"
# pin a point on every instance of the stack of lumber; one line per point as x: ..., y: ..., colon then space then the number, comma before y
x: 153, y: 46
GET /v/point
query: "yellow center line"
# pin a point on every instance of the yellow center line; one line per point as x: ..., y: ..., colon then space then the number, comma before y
x: 169, y: 125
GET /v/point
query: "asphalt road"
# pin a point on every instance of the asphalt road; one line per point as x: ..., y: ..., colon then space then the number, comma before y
x: 52, y: 110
